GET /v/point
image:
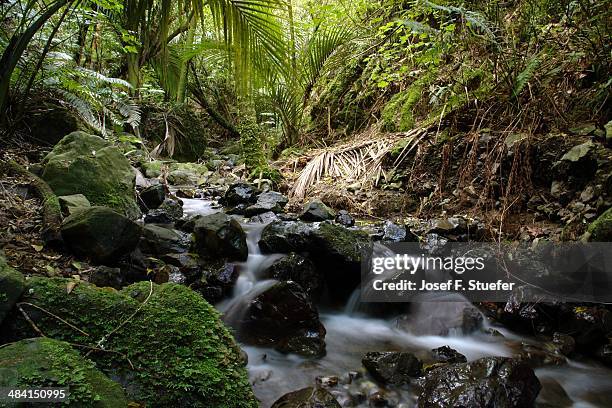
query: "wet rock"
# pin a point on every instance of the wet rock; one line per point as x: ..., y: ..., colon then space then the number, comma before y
x: 604, y: 354
x: 153, y: 197
x: 294, y: 267
x: 158, y: 241
x: 239, y: 193
x: 444, y: 318
x: 565, y: 344
x: 447, y: 355
x: 393, y: 232
x: 344, y: 218
x: 187, y: 263
x: 336, y: 250
x: 52, y: 363
x: 536, y: 356
x: 589, y: 326
x: 169, y: 212
x: 269, y: 201
x: 85, y: 164
x: 100, y: 233
x: 600, y: 230
x: 71, y: 203
x: 392, y: 367
x: 106, y: 277
x: 307, y: 398
x: 487, y: 382
x: 218, y: 235
x: 264, y: 218
x: 316, y: 211
x: 217, y: 281
x: 282, y: 316
x: 553, y: 395
x: 12, y: 284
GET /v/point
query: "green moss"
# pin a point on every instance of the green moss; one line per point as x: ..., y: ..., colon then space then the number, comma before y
x: 44, y: 362
x: 600, y: 230
x: 12, y: 284
x: 182, y: 355
x: 339, y: 240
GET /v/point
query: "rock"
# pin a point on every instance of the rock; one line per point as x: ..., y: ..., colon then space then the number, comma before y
x: 294, y: 267
x: 100, y: 234
x: 184, y: 174
x: 106, y: 277
x: 604, y: 354
x: 488, y: 382
x: 239, y: 193
x: 344, y: 218
x: 336, y: 250
x: 42, y: 361
x: 448, y: 355
x: 264, y: 218
x: 84, y: 164
x: 600, y: 230
x: 443, y: 318
x: 536, y: 356
x: 392, y: 367
x: 152, y: 197
x: 217, y: 281
x: 12, y: 284
x: 73, y: 202
x: 579, y: 152
x: 173, y: 337
x: 281, y: 316
x: 393, y: 232
x: 563, y: 343
x: 553, y: 395
x: 152, y: 169
x: 169, y: 212
x: 159, y: 241
x: 218, y: 235
x: 307, y: 398
x: 269, y: 201
x: 317, y: 211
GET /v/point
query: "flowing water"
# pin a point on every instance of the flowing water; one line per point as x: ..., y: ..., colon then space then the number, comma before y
x: 350, y: 334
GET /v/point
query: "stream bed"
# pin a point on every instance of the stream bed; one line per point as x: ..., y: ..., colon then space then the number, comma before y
x: 351, y: 334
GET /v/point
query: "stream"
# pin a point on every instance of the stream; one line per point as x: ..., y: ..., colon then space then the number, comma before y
x: 351, y: 333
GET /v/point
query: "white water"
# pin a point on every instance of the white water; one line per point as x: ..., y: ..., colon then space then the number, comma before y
x: 350, y: 335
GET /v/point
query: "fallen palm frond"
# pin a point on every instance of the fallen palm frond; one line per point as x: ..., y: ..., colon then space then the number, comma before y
x: 359, y: 161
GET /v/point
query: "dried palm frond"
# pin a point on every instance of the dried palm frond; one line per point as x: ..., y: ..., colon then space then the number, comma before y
x: 360, y: 161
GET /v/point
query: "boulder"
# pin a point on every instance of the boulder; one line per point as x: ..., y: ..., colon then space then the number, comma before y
x: 170, y: 211
x: 173, y: 341
x: 12, y: 284
x: 100, y: 233
x: 307, y: 398
x: 295, y: 267
x: 317, y: 211
x: 220, y: 236
x: 44, y: 362
x: 239, y: 193
x: 344, y: 218
x: 71, y: 203
x: 217, y: 280
x: 283, y: 317
x: 264, y: 218
x: 600, y: 230
x: 336, y: 250
x: 159, y: 241
x: 488, y: 382
x: 269, y: 201
x: 85, y: 164
x: 392, y: 367
x: 153, y: 197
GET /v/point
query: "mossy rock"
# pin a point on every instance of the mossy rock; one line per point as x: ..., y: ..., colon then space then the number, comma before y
x: 85, y: 164
x: 172, y: 350
x: 100, y: 233
x: 600, y: 230
x: 12, y: 284
x: 44, y: 362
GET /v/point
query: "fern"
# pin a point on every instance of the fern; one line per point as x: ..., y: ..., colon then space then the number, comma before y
x: 525, y: 76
